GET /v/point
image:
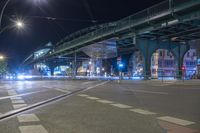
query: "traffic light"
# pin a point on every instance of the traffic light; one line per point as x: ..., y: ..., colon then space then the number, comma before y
x: 121, y: 65
x: 183, y: 68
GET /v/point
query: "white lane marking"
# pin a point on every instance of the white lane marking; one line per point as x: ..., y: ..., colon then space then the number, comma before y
x: 18, y: 101
x: 48, y: 87
x: 16, y: 98
x: 161, y: 85
x: 83, y: 95
x: 105, y: 101
x: 12, y: 92
x: 91, y: 87
x: 141, y: 111
x: 17, y: 106
x: 2, y: 86
x: 170, y: 82
x: 92, y: 98
x: 150, y: 92
x: 8, y: 88
x: 61, y: 90
x: 28, y: 118
x: 85, y: 83
x: 5, y: 87
x: 33, y: 129
x: 176, y: 120
x: 123, y: 106
x: 6, y: 97
x: 55, y: 86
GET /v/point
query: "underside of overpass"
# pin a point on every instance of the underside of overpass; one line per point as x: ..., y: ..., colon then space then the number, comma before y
x: 170, y: 25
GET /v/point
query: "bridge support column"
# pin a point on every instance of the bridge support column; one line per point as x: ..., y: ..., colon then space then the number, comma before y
x: 195, y: 45
x: 126, y: 63
x: 147, y: 48
x: 179, y: 52
x: 51, y: 66
x: 51, y: 70
x: 75, y: 66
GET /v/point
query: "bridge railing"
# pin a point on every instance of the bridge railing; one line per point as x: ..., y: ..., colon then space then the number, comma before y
x: 144, y: 15
x: 180, y: 2
x: 89, y: 36
x: 157, y: 11
x: 80, y: 33
x: 128, y: 21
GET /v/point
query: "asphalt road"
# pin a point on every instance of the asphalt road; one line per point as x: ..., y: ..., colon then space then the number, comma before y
x: 100, y: 106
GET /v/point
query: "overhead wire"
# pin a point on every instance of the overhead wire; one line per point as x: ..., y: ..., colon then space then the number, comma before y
x: 89, y: 11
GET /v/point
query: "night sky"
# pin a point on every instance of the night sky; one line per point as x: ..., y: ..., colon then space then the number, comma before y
x: 71, y: 15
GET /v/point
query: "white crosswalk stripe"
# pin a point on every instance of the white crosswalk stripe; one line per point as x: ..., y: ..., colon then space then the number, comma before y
x: 28, y: 118
x: 105, y: 101
x: 141, y: 111
x: 176, y: 120
x: 17, y: 106
x: 18, y: 101
x: 123, y: 106
x: 16, y: 98
x: 92, y: 98
x: 33, y: 129
x: 83, y: 95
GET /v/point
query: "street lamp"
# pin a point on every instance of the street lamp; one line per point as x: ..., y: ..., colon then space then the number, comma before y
x: 5, y: 5
x: 2, y: 57
x: 19, y: 24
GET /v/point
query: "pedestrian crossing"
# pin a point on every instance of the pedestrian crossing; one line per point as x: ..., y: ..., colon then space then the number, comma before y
x: 170, y: 119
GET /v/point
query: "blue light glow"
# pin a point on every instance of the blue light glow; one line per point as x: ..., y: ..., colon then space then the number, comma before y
x: 121, y: 65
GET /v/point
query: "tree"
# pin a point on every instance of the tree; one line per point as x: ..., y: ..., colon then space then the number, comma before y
x: 69, y: 71
x: 3, y: 67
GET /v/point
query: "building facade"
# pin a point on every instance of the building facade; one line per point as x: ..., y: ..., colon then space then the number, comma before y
x: 163, y: 64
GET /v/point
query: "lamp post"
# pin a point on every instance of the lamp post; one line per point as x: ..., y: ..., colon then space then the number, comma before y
x: 19, y: 24
x: 5, y: 5
x: 2, y: 11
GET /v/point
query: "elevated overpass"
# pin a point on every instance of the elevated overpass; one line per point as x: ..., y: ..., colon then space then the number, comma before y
x: 170, y: 25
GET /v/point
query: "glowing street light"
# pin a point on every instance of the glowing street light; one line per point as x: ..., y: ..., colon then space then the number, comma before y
x: 2, y: 57
x: 19, y: 24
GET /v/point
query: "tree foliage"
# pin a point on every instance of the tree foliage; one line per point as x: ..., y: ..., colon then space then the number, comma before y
x: 3, y: 67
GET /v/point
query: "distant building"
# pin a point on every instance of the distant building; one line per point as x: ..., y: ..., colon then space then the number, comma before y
x: 136, y: 62
x: 163, y: 64
x: 190, y: 62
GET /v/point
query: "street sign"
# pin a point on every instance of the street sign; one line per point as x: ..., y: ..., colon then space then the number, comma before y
x: 119, y: 59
